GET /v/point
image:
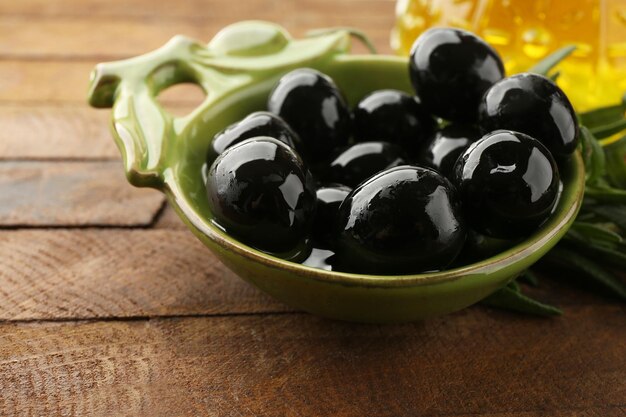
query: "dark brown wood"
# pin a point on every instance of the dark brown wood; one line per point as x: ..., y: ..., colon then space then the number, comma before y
x: 135, y: 317
x: 73, y: 194
x: 65, y: 274
x: 473, y: 363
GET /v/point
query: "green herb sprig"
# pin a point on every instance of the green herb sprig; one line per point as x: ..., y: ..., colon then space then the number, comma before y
x: 595, y: 246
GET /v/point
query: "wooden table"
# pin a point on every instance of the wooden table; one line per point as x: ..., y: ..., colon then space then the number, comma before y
x: 109, y: 307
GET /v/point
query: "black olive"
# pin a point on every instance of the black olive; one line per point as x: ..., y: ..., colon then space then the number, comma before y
x: 260, y: 192
x: 450, y: 70
x: 392, y: 116
x: 509, y: 184
x: 446, y: 145
x: 359, y: 162
x: 403, y: 220
x: 312, y: 105
x: 329, y: 198
x: 531, y: 104
x: 259, y: 123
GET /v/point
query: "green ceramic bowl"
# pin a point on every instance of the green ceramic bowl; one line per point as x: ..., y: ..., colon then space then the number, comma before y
x: 237, y: 69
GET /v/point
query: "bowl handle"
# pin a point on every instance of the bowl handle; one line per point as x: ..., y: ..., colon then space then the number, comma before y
x: 140, y: 126
x: 239, y: 56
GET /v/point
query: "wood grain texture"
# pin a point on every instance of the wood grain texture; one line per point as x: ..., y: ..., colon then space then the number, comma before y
x: 193, y: 9
x: 27, y: 37
x: 46, y: 132
x: 68, y: 274
x: 73, y: 194
x: 477, y: 362
x: 168, y: 219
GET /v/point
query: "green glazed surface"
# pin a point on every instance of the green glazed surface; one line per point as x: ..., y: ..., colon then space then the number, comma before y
x: 237, y: 69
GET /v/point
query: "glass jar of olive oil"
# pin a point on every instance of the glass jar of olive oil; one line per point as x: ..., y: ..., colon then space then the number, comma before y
x: 525, y: 31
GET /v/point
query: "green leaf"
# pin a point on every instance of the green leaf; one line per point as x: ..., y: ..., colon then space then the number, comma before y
x: 605, y: 194
x: 604, y: 115
x: 615, y: 214
x: 616, y: 162
x: 555, y: 75
x: 549, y: 62
x: 508, y: 298
x: 595, y: 162
x: 529, y: 277
x: 589, y: 269
x: 593, y: 231
x: 355, y: 33
x: 609, y: 129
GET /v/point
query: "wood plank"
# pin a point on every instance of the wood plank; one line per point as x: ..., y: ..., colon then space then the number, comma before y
x: 169, y: 220
x: 251, y: 9
x: 65, y: 274
x: 44, y: 38
x: 474, y: 363
x: 100, y: 273
x: 45, y: 132
x: 59, y: 82
x: 73, y: 194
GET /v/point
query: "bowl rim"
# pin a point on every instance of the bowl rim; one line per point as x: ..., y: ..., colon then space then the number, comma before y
x: 554, y: 228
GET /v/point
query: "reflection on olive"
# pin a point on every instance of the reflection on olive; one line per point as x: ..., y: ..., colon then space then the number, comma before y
x: 532, y: 104
x: 312, y: 105
x: 446, y: 145
x: 509, y: 183
x: 362, y: 160
x: 392, y: 116
x: 403, y: 220
x: 260, y: 192
x: 260, y: 123
x: 329, y: 198
x: 450, y: 70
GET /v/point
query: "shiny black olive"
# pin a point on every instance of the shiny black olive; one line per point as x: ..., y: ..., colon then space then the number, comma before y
x: 260, y: 192
x: 531, y: 104
x: 259, y: 123
x: 312, y: 105
x: 446, y: 145
x: 362, y: 160
x: 329, y: 198
x: 403, y: 220
x: 392, y: 116
x: 450, y: 70
x: 509, y: 184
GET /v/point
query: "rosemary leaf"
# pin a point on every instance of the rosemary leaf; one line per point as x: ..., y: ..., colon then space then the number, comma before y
x: 605, y: 194
x: 508, y: 298
x: 594, y: 231
x: 615, y: 214
x: 595, y: 162
x: 604, y: 115
x: 549, y: 62
x: 589, y: 269
x: 609, y: 129
x: 530, y: 278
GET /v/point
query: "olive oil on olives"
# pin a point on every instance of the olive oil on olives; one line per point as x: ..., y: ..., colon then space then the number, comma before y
x: 259, y: 123
x: 446, y: 145
x: 403, y: 220
x: 329, y: 198
x: 509, y: 184
x: 532, y: 104
x: 450, y: 70
x: 392, y: 116
x: 313, y: 106
x: 260, y: 192
x: 362, y: 160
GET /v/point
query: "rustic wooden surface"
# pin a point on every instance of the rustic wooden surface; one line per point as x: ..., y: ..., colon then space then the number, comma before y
x: 110, y: 307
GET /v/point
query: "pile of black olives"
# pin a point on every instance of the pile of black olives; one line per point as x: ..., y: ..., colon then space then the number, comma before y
x: 401, y: 183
